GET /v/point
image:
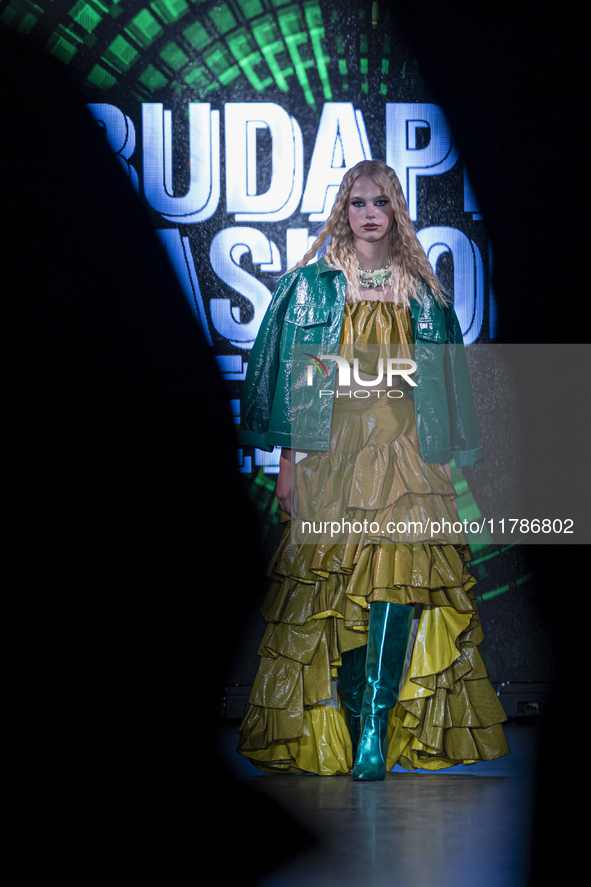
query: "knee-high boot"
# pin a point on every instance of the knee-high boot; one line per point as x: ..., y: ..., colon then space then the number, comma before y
x: 389, y: 630
x: 351, y: 690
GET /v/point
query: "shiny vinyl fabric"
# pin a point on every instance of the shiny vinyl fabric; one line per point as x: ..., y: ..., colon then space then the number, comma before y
x: 351, y: 687
x: 317, y: 607
x: 390, y: 629
x: 373, y: 471
x: 308, y: 308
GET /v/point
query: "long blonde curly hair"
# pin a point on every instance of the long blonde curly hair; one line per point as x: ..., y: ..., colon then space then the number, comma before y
x: 410, y: 266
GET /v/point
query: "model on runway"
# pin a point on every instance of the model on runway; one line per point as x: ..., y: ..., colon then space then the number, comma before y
x: 387, y: 612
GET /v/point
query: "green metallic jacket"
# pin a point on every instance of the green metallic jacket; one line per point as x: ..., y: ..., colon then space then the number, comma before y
x: 307, y: 309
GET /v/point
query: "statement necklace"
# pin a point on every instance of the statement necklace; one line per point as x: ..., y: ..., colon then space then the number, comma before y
x: 372, y: 279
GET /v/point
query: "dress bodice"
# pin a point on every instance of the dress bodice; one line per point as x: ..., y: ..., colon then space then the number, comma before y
x: 374, y: 322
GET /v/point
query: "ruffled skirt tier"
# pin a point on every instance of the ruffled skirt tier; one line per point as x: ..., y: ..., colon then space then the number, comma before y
x: 318, y: 604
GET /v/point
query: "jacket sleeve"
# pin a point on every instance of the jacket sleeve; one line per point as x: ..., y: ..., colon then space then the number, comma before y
x: 465, y: 431
x: 263, y: 368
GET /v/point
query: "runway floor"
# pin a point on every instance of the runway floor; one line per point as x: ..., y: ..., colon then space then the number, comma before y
x: 462, y: 826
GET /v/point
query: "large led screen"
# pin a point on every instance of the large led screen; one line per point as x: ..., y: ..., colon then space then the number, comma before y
x: 235, y: 122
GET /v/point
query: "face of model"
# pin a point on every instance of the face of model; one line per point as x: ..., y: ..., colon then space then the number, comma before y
x: 371, y: 214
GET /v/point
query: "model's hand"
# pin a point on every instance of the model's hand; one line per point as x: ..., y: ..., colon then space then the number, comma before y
x: 283, y: 488
x: 447, y: 469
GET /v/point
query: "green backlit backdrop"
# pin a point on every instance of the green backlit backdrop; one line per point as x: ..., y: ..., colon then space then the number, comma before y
x: 302, y: 57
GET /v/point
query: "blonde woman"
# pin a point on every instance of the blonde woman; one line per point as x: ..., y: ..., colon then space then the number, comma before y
x: 386, y: 613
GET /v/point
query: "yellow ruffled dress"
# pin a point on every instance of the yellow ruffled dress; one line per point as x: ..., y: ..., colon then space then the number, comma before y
x: 318, y: 604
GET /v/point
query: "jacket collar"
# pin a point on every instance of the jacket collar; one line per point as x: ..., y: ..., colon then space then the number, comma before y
x: 322, y: 267
x: 427, y: 311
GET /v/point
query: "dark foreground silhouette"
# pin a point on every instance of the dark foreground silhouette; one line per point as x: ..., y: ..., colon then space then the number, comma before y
x: 130, y: 553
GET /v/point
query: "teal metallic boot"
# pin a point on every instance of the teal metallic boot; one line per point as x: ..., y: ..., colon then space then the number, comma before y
x: 351, y: 690
x: 389, y: 631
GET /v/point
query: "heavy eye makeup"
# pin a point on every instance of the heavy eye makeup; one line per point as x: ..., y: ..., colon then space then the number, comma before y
x: 379, y: 201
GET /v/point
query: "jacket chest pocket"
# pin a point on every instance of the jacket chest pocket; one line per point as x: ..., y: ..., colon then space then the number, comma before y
x: 305, y: 323
x: 430, y: 347
x: 306, y: 316
x: 431, y: 331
